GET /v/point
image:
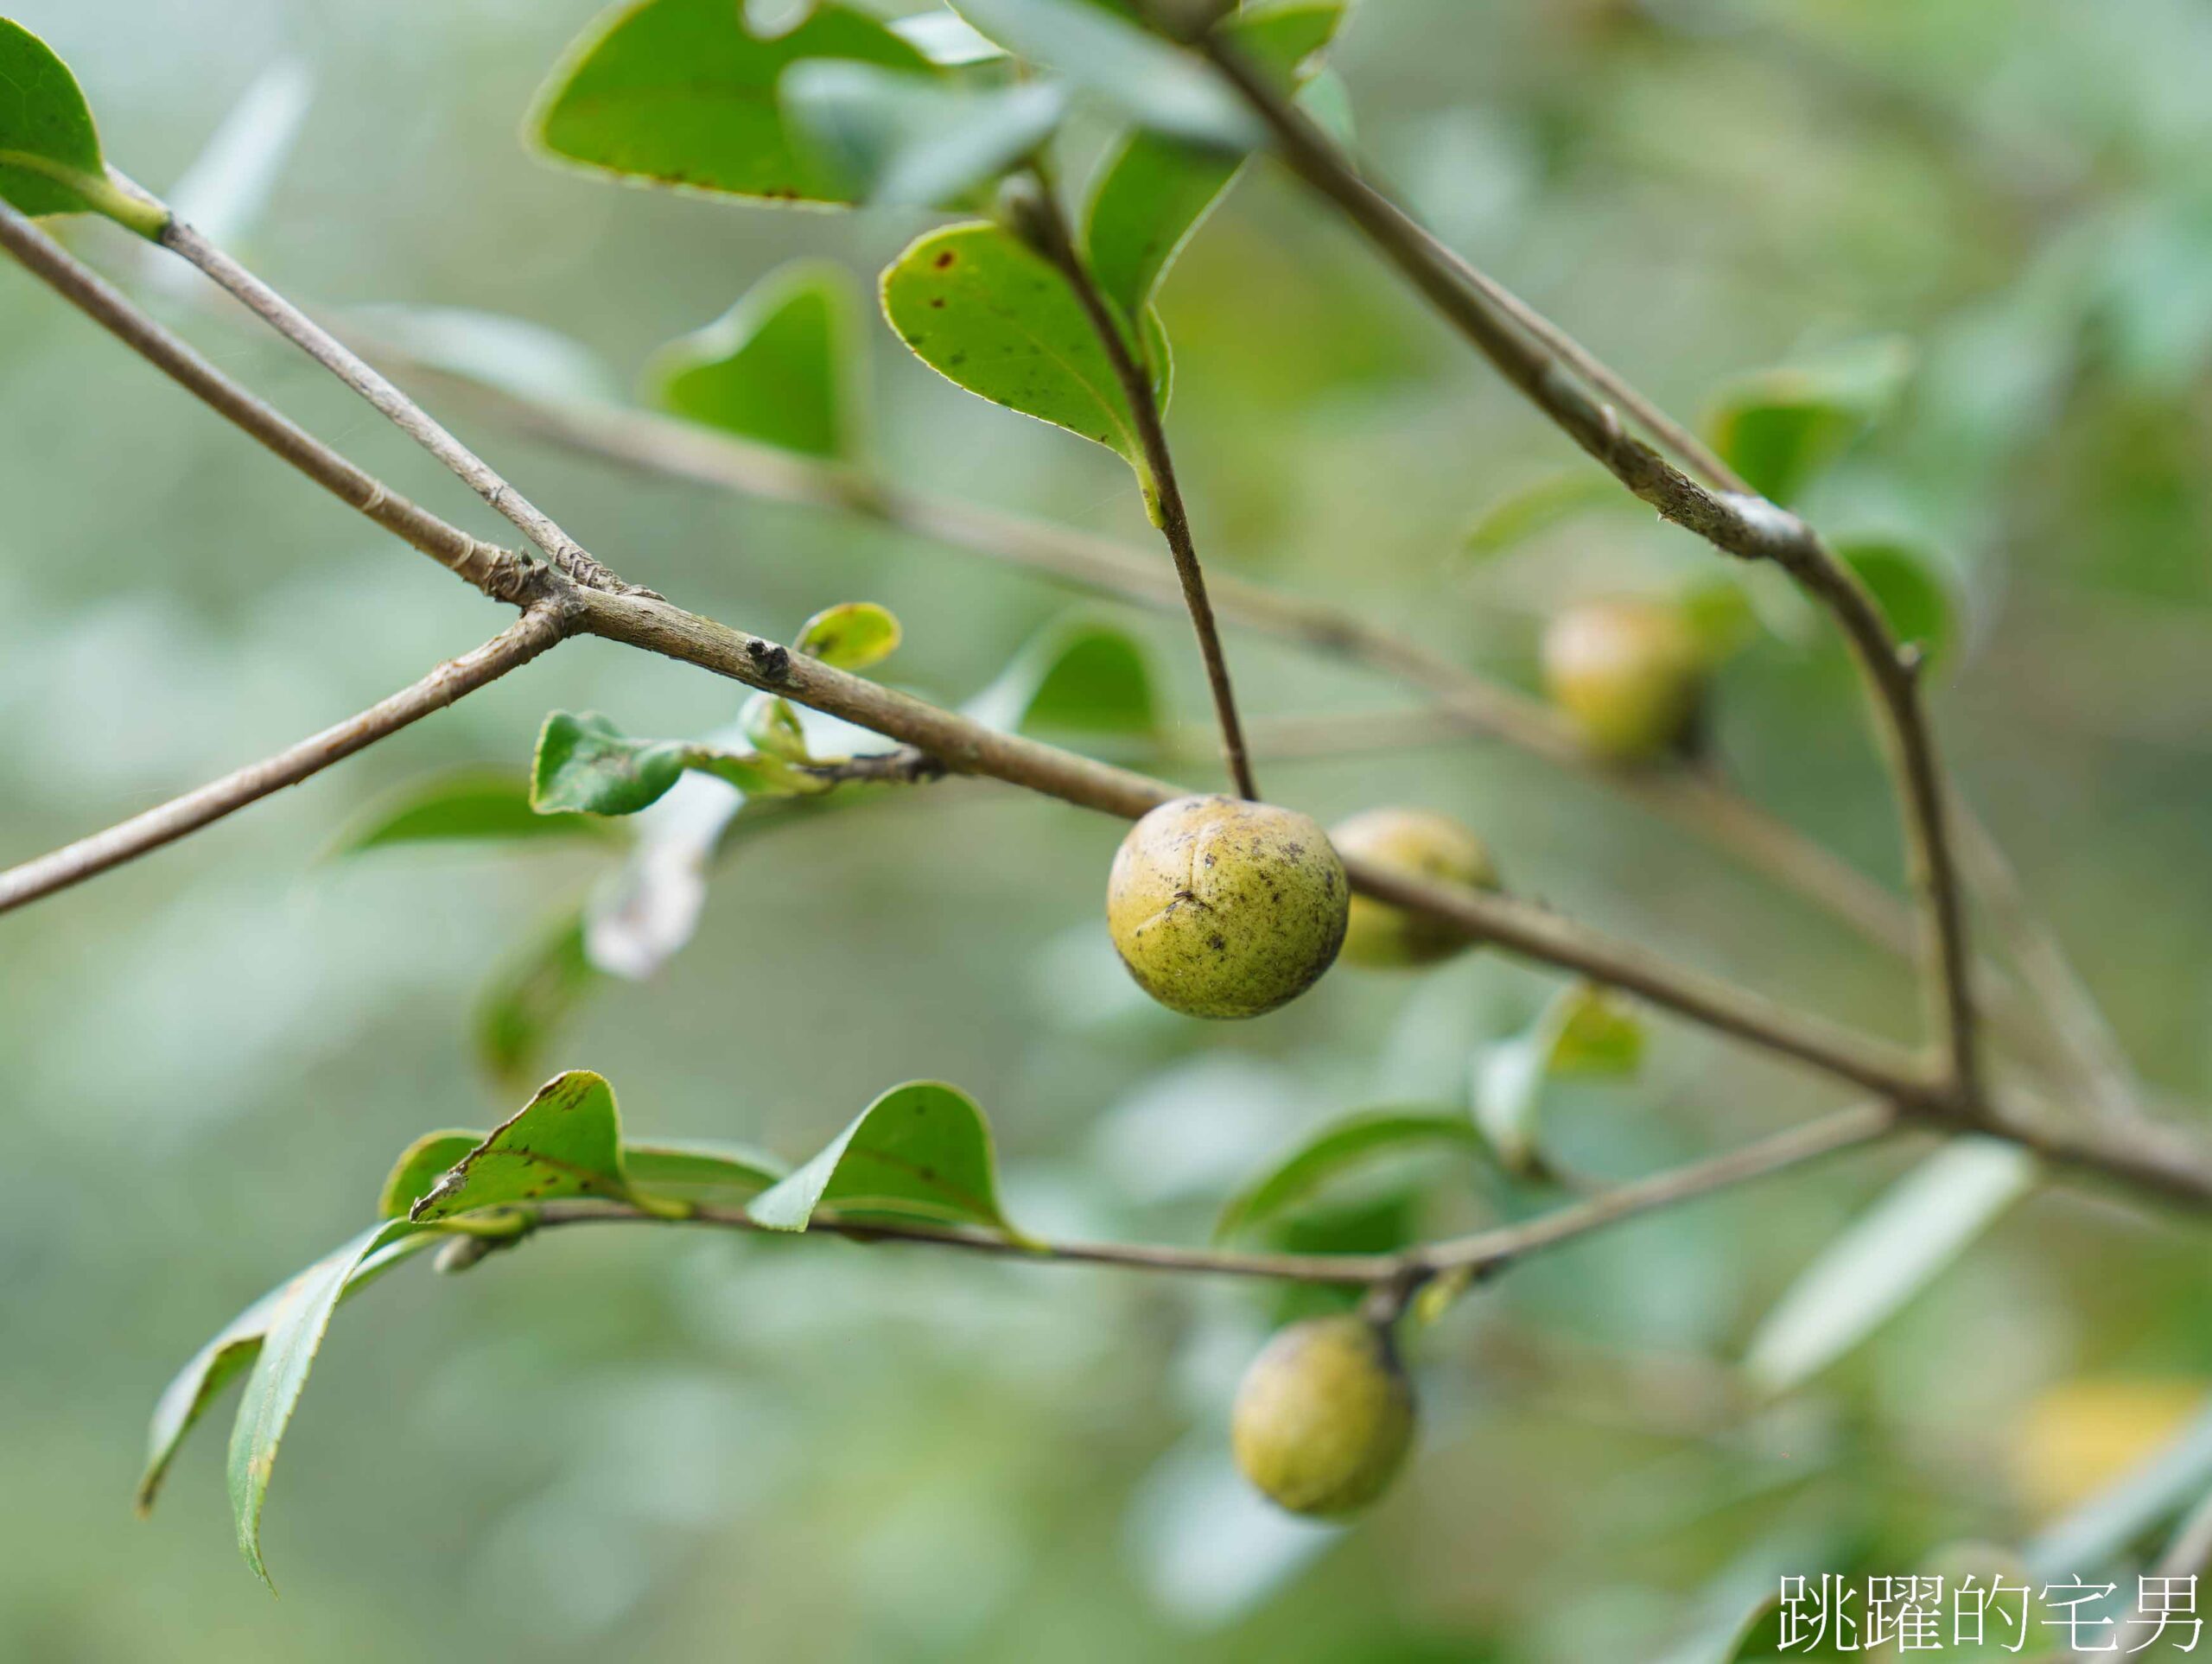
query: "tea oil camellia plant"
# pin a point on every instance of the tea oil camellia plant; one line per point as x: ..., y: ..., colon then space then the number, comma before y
x: 1037, y: 292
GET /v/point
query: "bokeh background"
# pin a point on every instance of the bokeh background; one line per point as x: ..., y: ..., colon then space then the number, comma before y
x: 622, y: 1443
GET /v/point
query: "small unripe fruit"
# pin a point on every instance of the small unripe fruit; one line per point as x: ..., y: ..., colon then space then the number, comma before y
x: 1629, y: 673
x: 1427, y: 845
x: 1325, y: 1416
x: 1222, y: 908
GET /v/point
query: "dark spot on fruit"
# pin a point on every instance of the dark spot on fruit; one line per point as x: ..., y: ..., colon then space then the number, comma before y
x: 1218, y: 943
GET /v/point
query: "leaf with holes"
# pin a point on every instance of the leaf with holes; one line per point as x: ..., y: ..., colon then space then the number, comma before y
x: 464, y: 806
x: 296, y: 1319
x: 1076, y: 676
x: 565, y: 1142
x: 779, y: 366
x: 1155, y: 189
x: 989, y: 314
x: 851, y: 636
x: 678, y: 93
x: 231, y: 1353
x: 921, y: 1150
x: 1335, y: 1150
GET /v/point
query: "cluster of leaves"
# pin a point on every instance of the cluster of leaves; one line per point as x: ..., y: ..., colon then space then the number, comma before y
x: 920, y: 1153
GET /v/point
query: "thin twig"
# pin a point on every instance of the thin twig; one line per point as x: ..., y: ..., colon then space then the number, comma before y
x: 395, y: 406
x: 1164, y: 495
x: 1741, y: 524
x: 513, y: 647
x: 1479, y: 1254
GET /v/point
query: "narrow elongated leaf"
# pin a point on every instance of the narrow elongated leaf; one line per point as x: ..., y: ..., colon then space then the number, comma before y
x: 530, y: 998
x: 463, y: 806
x: 921, y: 1150
x: 1076, y: 676
x: 566, y: 1141
x: 50, y: 160
x: 851, y: 636
x: 778, y: 367
x: 1581, y: 1031
x: 297, y: 1322
x: 229, y: 1355
x: 226, y: 191
x: 1895, y: 1250
x: 899, y: 139
x: 1537, y: 507
x: 947, y: 39
x: 1147, y: 78
x: 1334, y: 1150
x: 1155, y: 189
x: 677, y: 92
x: 989, y: 314
x: 676, y: 1168
x: 1780, y: 428
x: 2142, y: 1499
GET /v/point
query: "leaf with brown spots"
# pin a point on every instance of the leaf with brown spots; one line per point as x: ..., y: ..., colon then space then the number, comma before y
x: 565, y: 1142
x: 921, y: 1150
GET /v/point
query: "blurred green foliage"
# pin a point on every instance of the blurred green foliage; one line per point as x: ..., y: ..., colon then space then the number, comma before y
x: 660, y: 1446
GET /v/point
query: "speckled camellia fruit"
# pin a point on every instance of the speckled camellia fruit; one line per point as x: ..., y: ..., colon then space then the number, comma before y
x: 1325, y: 1416
x: 1427, y: 845
x: 1629, y: 673
x: 1223, y: 908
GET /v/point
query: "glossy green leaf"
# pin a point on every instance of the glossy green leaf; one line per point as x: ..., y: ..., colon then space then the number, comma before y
x: 530, y: 998
x: 778, y: 367
x: 986, y: 313
x: 921, y: 1150
x: 899, y: 139
x: 1334, y: 1150
x: 50, y: 160
x: 463, y: 805
x: 1076, y: 676
x: 1581, y: 1031
x: 296, y: 1321
x: 692, y: 1169
x: 851, y: 636
x: 1903, y: 579
x: 1894, y: 1250
x: 1149, y: 80
x: 1535, y: 508
x: 1780, y: 428
x: 229, y: 1355
x: 677, y: 92
x: 1155, y: 190
x: 565, y: 1142
x: 585, y: 763
x: 773, y: 727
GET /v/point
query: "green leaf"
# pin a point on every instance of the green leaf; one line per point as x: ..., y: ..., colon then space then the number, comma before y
x: 50, y: 160
x: 1780, y: 428
x: 1891, y: 1253
x: 1155, y: 190
x: 565, y: 1142
x: 921, y: 1150
x: 298, y: 1318
x: 1916, y: 600
x: 467, y: 804
x: 773, y: 727
x: 1076, y: 676
x: 778, y: 367
x: 897, y: 138
x: 1336, y: 1149
x: 223, y: 1359
x: 530, y: 998
x: 1147, y: 79
x: 1581, y: 1031
x: 1537, y: 507
x: 851, y: 636
x: 683, y: 1168
x: 989, y: 314
x: 586, y: 763
x: 677, y: 93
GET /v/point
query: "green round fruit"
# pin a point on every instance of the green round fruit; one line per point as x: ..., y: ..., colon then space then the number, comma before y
x: 1223, y: 908
x: 1629, y: 673
x: 1427, y: 845
x: 1325, y: 1416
